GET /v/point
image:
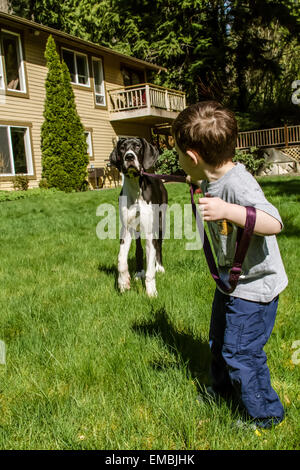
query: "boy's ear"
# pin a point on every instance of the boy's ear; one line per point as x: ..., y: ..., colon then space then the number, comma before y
x: 193, y: 155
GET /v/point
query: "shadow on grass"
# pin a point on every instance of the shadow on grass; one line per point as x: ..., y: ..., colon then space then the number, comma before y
x: 194, y: 353
x: 112, y: 270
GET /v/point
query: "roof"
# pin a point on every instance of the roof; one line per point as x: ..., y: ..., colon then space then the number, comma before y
x: 82, y: 42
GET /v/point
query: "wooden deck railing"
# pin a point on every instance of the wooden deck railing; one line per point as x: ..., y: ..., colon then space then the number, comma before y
x: 146, y: 96
x: 279, y: 136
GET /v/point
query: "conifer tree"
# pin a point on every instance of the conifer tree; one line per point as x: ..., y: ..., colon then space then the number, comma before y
x: 63, y: 144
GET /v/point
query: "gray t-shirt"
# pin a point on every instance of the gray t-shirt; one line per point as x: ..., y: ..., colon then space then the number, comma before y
x: 263, y: 275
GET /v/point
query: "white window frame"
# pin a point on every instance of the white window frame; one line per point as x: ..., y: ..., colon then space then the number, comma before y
x: 2, y: 81
x: 75, y: 53
x: 88, y: 136
x: 99, y: 59
x: 21, y: 66
x: 28, y: 151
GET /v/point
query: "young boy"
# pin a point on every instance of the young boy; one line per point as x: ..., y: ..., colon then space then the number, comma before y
x: 241, y: 323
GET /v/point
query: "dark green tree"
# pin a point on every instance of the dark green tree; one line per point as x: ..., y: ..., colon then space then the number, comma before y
x: 245, y: 52
x: 260, y: 31
x: 51, y: 13
x: 63, y: 143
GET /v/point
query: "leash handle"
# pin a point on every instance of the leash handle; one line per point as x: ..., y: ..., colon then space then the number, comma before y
x: 242, y: 244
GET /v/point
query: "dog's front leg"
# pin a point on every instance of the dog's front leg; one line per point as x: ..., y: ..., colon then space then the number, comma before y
x: 124, y: 277
x: 150, y: 272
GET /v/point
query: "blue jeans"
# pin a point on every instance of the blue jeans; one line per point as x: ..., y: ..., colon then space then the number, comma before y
x: 239, y: 330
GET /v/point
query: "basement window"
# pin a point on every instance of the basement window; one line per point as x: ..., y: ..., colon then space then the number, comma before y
x: 15, y: 151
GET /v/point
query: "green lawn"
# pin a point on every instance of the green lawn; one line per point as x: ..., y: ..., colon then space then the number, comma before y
x: 88, y: 368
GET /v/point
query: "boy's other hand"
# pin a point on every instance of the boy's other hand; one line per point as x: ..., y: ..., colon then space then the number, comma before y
x: 212, y: 208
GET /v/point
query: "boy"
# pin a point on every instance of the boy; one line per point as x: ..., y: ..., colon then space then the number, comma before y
x: 241, y: 323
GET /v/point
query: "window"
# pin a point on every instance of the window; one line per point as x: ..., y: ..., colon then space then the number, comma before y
x: 88, y: 136
x: 132, y: 77
x: 2, y: 84
x: 78, y: 67
x: 15, y: 151
x: 12, y: 75
x: 98, y: 82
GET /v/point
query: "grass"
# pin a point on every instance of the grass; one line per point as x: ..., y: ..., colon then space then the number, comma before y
x: 88, y: 368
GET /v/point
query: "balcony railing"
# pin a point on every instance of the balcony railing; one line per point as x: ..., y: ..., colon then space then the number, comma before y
x: 146, y: 96
x: 279, y: 136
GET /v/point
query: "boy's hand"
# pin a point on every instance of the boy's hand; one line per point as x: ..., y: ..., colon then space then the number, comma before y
x: 213, y: 208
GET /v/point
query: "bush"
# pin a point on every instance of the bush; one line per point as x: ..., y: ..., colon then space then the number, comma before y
x: 21, y: 182
x: 252, y: 159
x: 63, y: 143
x: 168, y: 163
x: 43, y: 183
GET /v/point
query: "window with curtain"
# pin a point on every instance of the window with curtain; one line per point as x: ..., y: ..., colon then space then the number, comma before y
x: 12, y: 75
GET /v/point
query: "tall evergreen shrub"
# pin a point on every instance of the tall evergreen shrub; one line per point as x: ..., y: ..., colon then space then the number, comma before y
x: 63, y: 143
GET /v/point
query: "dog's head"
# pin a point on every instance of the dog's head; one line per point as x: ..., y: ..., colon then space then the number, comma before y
x: 132, y: 155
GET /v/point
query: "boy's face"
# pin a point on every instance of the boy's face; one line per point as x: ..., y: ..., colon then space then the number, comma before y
x: 190, y: 162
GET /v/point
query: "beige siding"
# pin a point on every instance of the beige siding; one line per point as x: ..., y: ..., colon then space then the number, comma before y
x: 30, y: 110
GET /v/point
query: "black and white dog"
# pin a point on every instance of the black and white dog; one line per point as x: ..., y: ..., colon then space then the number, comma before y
x: 139, y: 200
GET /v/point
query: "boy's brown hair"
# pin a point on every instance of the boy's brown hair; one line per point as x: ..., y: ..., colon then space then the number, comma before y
x: 209, y: 129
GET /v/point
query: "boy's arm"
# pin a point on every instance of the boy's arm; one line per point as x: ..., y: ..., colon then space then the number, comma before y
x: 214, y: 208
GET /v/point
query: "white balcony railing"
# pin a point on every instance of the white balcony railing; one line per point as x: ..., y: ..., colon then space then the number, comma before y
x: 146, y: 96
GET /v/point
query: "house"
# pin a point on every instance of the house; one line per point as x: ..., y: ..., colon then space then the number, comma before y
x: 113, y: 96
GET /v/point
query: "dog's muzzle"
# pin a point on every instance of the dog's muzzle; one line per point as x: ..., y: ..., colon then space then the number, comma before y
x: 131, y: 164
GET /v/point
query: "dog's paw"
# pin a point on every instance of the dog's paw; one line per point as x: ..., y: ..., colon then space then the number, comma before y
x: 124, y: 282
x: 139, y: 275
x: 159, y: 268
x: 151, y: 289
x: 124, y: 287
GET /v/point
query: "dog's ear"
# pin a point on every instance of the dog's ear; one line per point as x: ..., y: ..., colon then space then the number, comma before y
x: 151, y: 154
x: 115, y: 158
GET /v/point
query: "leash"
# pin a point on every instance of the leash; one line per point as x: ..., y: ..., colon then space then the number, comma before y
x: 242, y: 240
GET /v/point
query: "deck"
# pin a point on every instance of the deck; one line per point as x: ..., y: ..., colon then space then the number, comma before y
x: 149, y: 103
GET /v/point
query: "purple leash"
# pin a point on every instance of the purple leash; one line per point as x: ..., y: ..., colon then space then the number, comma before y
x: 242, y: 240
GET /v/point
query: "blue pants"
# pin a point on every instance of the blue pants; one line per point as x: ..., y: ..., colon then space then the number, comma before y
x: 239, y: 330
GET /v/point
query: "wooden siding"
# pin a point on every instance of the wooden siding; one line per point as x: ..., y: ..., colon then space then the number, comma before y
x: 30, y: 110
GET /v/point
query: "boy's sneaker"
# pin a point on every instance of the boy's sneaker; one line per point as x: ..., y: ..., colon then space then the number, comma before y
x: 266, y: 423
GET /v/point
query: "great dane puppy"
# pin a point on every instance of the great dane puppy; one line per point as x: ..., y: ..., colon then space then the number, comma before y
x: 142, y: 205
